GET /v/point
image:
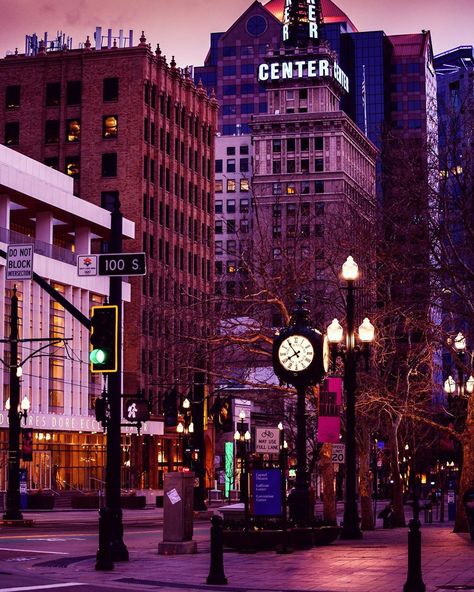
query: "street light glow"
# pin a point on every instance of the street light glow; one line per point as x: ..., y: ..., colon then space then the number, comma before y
x: 350, y: 269
x: 366, y: 331
x: 334, y: 332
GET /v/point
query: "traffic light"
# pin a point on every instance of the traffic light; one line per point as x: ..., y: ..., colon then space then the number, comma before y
x: 104, y: 339
x: 170, y: 408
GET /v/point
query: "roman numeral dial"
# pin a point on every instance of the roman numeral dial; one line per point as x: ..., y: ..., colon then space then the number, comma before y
x: 295, y: 353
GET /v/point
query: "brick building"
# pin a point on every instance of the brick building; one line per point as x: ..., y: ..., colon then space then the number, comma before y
x: 125, y: 123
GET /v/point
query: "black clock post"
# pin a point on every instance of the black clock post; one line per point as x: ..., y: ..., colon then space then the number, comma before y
x: 298, y: 360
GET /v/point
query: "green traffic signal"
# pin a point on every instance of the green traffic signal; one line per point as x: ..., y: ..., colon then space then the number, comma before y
x: 98, y: 356
x: 104, y: 339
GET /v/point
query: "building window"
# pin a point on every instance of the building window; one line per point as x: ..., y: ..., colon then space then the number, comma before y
x: 291, y: 144
x: 218, y: 166
x: 73, y: 92
x: 108, y: 199
x: 247, y: 68
x: 218, y: 186
x: 230, y: 206
x: 53, y: 94
x: 230, y: 226
x: 291, y: 210
x: 276, y: 230
x: 109, y: 164
x: 276, y: 188
x: 229, y: 51
x: 12, y: 97
x: 73, y: 130
x: 229, y: 130
x: 319, y: 143
x: 414, y: 124
x: 52, y: 162
x: 276, y: 167
x: 51, y: 131
x: 414, y: 105
x: 110, y: 126
x: 413, y: 68
x: 276, y: 145
x: 110, y: 89
x: 319, y: 209
x: 230, y: 165
x: 244, y: 225
x: 290, y: 189
x: 218, y: 227
x: 231, y: 186
x: 231, y: 268
x: 318, y: 165
x: 229, y: 89
x: 247, y: 108
x: 305, y: 209
x: 319, y: 186
x: 413, y: 86
x: 244, y: 149
x: 246, y: 50
x: 305, y: 165
x: 218, y: 206
x: 244, y: 185
x: 229, y: 70
x: 229, y: 110
x: 247, y: 89
x: 304, y: 144
x: 12, y: 133
x: 218, y: 247
x: 244, y: 165
x: 231, y: 247
x: 73, y: 166
x: 305, y: 186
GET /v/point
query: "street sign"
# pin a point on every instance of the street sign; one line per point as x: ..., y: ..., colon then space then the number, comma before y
x: 20, y: 262
x: 339, y: 453
x: 111, y: 264
x: 87, y: 265
x: 267, y: 440
x: 122, y: 264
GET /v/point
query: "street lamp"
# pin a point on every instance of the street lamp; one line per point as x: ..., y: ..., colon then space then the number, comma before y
x: 462, y: 386
x: 349, y: 353
x: 22, y: 408
x: 242, y: 439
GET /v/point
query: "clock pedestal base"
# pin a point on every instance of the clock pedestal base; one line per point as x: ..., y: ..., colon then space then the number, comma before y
x: 300, y: 510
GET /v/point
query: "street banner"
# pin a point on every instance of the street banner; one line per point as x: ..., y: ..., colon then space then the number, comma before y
x: 329, y: 417
x: 27, y: 444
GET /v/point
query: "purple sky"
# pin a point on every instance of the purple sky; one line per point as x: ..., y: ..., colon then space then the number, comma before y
x: 182, y: 27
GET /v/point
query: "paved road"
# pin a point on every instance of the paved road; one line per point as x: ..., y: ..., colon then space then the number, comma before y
x: 60, y: 551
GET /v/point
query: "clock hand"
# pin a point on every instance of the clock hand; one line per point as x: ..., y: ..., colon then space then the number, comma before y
x: 297, y: 353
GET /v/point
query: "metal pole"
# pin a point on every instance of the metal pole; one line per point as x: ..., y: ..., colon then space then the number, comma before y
x: 110, y: 520
x: 13, y: 511
x: 350, y: 528
x: 298, y: 500
x: 414, y: 581
x: 199, y: 442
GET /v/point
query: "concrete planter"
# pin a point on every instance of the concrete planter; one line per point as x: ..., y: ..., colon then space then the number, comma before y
x: 298, y: 538
x: 39, y: 501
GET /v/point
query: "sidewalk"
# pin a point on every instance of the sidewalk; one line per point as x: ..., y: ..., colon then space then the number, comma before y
x: 376, y: 563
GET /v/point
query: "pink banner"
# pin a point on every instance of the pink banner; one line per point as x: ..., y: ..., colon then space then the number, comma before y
x: 330, y: 400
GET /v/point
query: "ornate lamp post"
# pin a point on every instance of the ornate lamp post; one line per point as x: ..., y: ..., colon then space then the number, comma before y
x: 242, y: 439
x: 349, y: 352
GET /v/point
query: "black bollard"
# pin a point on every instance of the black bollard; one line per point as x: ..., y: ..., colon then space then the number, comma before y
x: 414, y: 581
x: 104, y: 558
x: 216, y: 570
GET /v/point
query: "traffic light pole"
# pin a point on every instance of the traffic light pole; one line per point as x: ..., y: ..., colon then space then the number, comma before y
x: 111, y: 545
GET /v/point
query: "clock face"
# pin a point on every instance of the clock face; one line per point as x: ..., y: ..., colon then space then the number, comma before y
x: 295, y: 353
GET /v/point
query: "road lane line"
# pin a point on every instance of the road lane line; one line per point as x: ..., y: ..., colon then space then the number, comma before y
x: 48, y: 587
x: 31, y: 551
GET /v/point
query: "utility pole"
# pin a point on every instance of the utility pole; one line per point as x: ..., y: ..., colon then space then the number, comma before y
x: 13, y: 511
x: 111, y: 545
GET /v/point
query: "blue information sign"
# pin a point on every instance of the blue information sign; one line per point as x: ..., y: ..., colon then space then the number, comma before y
x: 267, y: 492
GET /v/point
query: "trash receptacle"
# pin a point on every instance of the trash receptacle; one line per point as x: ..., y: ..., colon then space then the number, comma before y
x: 178, y: 492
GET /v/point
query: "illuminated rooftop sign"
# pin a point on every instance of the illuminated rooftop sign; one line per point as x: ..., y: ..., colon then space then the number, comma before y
x: 300, y: 16
x: 303, y: 69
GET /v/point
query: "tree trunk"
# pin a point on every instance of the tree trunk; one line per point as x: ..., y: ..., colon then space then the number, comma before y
x: 397, y: 493
x: 365, y: 482
x: 327, y: 474
x: 467, y: 473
